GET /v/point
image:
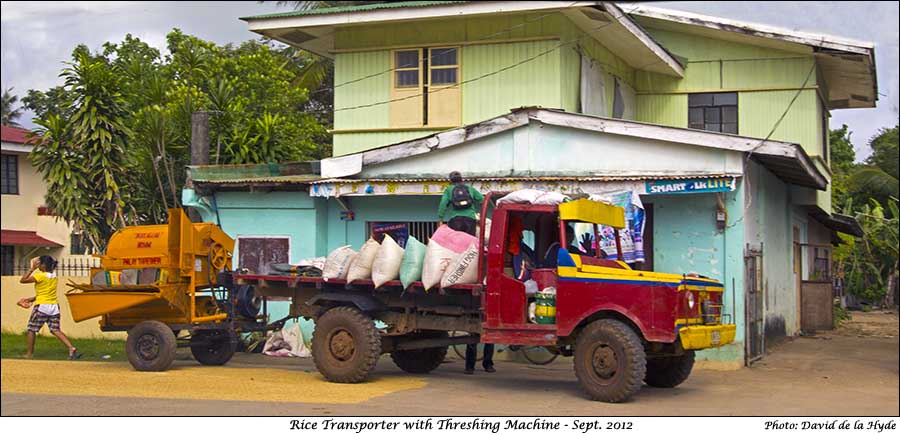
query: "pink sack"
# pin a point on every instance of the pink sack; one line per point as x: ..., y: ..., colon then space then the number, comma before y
x: 456, y: 241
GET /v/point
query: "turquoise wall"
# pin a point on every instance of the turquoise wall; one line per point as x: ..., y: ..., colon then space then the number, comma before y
x: 285, y: 214
x: 686, y: 240
x: 375, y: 209
x: 771, y: 220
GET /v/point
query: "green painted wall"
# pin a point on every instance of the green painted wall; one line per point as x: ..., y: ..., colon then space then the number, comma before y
x: 570, y: 59
x: 349, y: 143
x: 685, y: 240
x: 535, y: 83
x: 670, y: 110
x: 759, y: 111
x: 354, y: 66
x: 551, y: 80
x: 470, y: 29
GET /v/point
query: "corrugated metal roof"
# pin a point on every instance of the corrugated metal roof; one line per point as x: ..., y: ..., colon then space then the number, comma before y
x: 357, y: 8
x: 284, y: 179
x: 549, y: 179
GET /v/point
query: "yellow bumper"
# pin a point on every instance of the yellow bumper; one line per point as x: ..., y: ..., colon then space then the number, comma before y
x: 705, y: 337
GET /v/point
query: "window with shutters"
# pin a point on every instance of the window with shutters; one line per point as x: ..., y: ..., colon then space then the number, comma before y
x: 425, y: 88
x: 713, y: 112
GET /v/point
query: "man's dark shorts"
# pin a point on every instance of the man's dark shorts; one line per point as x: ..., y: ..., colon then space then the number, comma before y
x: 38, y: 319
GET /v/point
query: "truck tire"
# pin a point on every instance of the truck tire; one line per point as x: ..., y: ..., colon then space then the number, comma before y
x: 345, y: 345
x: 670, y: 371
x: 610, y: 362
x: 150, y: 346
x: 421, y: 361
x: 213, y: 347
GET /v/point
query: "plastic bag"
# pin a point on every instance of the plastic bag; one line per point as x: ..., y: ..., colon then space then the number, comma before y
x: 463, y: 269
x: 287, y: 342
x: 362, y: 266
x: 412, y: 262
x: 386, y: 266
x: 443, y: 247
x: 337, y: 265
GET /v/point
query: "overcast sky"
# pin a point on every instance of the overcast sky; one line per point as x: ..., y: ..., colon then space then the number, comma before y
x: 38, y: 36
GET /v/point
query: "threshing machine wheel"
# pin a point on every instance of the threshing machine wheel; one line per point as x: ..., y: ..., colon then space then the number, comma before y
x: 610, y: 362
x: 345, y: 345
x: 150, y: 346
x: 670, y: 371
x: 213, y: 347
x: 218, y: 256
x: 421, y: 361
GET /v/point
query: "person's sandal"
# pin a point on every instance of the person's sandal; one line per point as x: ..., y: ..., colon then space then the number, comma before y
x: 73, y: 355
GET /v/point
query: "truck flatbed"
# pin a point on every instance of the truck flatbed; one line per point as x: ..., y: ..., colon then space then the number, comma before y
x: 293, y: 281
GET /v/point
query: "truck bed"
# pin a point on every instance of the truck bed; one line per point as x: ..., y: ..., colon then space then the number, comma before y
x: 293, y: 281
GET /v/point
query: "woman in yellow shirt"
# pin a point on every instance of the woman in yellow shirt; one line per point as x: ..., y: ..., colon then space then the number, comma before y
x: 46, y: 308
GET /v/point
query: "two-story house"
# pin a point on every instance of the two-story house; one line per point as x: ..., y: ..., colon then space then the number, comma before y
x: 28, y: 227
x: 714, y: 132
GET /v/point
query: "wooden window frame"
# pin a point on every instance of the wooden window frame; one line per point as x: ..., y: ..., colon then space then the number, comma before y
x: 396, y: 69
x: 431, y: 67
x: 10, y: 175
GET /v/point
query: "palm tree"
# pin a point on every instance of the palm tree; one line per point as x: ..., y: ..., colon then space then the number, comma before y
x: 10, y: 115
x: 878, y: 178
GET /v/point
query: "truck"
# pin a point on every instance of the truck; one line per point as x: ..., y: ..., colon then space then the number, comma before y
x: 623, y: 327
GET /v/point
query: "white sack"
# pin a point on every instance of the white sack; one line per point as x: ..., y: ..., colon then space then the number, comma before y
x: 338, y: 263
x: 362, y: 265
x: 463, y: 269
x: 386, y: 266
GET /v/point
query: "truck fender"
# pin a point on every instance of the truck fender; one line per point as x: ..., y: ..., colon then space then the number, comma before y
x: 613, y: 311
x: 365, y: 303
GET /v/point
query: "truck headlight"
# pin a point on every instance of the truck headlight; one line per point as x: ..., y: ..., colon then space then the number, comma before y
x: 690, y: 300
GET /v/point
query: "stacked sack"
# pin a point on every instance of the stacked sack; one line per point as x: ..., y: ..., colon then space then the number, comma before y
x: 445, y: 248
x: 449, y: 258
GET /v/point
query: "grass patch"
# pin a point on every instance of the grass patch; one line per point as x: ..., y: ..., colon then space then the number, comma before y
x: 50, y: 348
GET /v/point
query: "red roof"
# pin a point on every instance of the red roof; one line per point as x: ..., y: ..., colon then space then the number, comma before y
x: 14, y: 135
x: 25, y: 238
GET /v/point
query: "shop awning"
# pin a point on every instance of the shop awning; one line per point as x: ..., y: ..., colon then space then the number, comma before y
x: 26, y: 238
x: 836, y: 222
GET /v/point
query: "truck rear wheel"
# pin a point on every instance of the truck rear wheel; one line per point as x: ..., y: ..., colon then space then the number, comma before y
x: 345, y: 345
x: 213, y: 347
x: 150, y: 346
x: 670, y: 371
x: 609, y: 361
x: 421, y: 361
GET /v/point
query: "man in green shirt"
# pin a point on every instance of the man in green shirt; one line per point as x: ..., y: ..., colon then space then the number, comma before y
x: 459, y: 204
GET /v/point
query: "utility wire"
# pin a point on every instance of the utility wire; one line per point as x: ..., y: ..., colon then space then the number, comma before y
x: 483, y: 76
x: 421, y: 61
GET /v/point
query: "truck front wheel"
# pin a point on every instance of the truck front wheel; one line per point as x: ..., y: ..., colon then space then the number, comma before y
x: 609, y: 361
x: 421, y: 361
x: 150, y: 346
x: 345, y: 345
x: 670, y: 371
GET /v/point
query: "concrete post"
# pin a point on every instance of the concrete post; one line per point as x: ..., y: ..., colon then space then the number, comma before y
x: 199, y: 151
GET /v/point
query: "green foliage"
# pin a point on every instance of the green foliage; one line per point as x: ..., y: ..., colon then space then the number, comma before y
x: 840, y: 315
x: 117, y: 134
x: 842, y: 163
x: 878, y: 178
x: 83, y: 158
x: 885, y: 151
x: 9, y: 114
x: 868, y: 263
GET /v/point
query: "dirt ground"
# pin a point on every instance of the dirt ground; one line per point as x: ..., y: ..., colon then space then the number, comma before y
x: 850, y: 371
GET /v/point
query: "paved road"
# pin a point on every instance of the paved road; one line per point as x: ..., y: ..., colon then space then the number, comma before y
x: 834, y: 374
